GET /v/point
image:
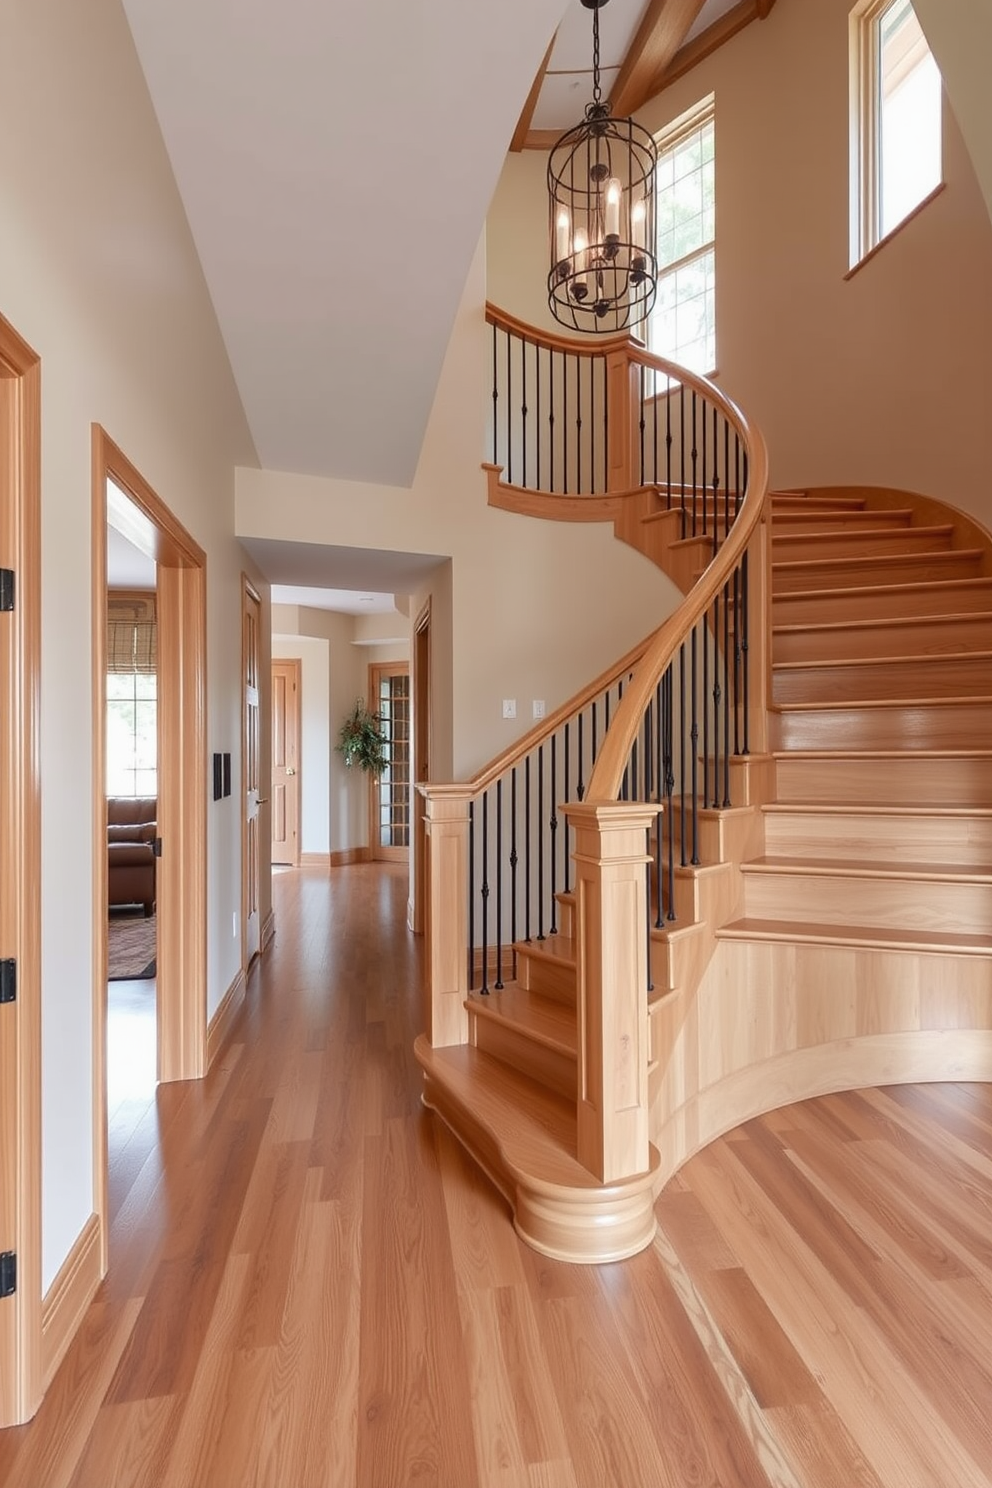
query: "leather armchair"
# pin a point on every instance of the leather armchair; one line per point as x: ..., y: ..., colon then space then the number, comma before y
x: 131, y: 833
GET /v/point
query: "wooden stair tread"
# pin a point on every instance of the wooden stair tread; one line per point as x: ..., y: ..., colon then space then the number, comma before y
x: 852, y: 663
x: 937, y: 530
x: 854, y: 561
x: 793, y: 500
x: 878, y: 808
x: 847, y: 704
x: 870, y: 937
x: 558, y: 948
x: 895, y: 622
x: 982, y: 581
x: 787, y: 755
x: 869, y: 868
x: 542, y: 1019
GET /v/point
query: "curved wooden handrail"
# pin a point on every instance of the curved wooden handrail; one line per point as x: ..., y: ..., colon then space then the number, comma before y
x: 554, y: 341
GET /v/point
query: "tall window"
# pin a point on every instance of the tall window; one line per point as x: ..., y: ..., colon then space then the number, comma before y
x: 132, y: 705
x: 683, y: 323
x: 896, y: 123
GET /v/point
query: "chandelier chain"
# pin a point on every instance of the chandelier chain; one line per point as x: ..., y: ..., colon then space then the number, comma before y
x: 597, y: 92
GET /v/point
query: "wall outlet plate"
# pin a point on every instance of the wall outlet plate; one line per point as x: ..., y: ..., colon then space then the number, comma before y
x: 540, y: 710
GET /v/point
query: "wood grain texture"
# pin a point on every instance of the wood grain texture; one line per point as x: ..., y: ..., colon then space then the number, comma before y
x: 312, y: 1285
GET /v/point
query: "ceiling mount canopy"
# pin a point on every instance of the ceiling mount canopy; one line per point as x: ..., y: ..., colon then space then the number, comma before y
x: 601, y: 216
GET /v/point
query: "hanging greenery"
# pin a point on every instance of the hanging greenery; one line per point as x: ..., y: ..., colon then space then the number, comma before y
x: 362, y: 741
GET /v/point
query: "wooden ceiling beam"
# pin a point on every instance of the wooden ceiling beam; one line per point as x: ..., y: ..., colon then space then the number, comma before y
x: 659, y: 36
x: 712, y: 39
x: 519, y: 140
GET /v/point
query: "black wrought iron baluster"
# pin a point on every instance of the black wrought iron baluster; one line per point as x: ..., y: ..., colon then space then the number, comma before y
x: 745, y: 668
x: 717, y: 695
x: 694, y: 459
x: 554, y: 835
x: 737, y: 659
x: 509, y: 410
x: 495, y: 395
x: 683, y: 833
x: 726, y: 694
x: 564, y: 856
x: 580, y: 784
x: 715, y: 483
x: 498, y: 984
x: 538, y: 426
x: 594, y: 741
x: 527, y: 848
x: 471, y: 894
x: 685, y: 523
x: 592, y: 425
x: 706, y: 708
x: 694, y: 738
x: 659, y: 775
x: 578, y: 425
x: 606, y: 424
x: 703, y: 481
x: 668, y: 442
x: 647, y: 914
x: 513, y: 869
x: 551, y: 419
x: 564, y: 423
x: 523, y: 411
x: 648, y: 761
x: 654, y: 429
x: 640, y: 417
x: 540, y: 842
x: 485, y: 894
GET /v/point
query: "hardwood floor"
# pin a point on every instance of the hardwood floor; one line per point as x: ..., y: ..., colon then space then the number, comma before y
x: 311, y: 1285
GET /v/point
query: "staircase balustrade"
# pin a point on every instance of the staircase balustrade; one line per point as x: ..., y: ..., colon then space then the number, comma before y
x: 657, y: 732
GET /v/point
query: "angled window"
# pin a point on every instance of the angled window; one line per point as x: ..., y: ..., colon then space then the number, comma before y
x: 682, y: 325
x: 895, y: 120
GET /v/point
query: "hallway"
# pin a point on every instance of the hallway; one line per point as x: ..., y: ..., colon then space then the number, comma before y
x: 310, y: 1286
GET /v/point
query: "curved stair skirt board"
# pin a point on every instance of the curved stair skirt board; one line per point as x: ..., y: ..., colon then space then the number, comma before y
x: 913, y: 1057
x: 583, y: 1224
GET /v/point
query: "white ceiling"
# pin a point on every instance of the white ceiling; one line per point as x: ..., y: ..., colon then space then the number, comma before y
x: 344, y: 601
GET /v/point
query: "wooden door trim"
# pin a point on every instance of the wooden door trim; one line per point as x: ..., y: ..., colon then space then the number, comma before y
x: 182, y: 763
x: 296, y: 663
x: 248, y: 589
x: 421, y: 688
x: 20, y: 847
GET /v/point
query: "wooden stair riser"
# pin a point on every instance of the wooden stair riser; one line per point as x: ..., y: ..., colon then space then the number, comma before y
x: 512, y: 1044
x: 907, y: 836
x: 722, y: 835
x: 919, y: 636
x: 679, y: 955
x: 799, y: 521
x: 851, y: 545
x: 884, y: 602
x: 959, y: 907
x: 897, y: 678
x: 896, y: 726
x: 848, y: 573
x: 549, y: 976
x: 908, y: 779
x: 789, y: 501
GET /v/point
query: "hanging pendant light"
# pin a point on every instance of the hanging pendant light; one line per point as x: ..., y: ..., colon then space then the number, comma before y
x: 602, y: 216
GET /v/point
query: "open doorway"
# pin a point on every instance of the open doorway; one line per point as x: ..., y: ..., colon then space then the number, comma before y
x: 389, y: 792
x: 123, y: 501
x: 131, y: 787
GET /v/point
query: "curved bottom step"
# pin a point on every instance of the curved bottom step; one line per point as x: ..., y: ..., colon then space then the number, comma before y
x: 523, y: 1137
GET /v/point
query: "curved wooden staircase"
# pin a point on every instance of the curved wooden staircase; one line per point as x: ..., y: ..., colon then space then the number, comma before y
x: 836, y: 930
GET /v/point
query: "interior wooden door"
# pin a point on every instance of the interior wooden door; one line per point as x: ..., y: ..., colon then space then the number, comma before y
x: 389, y: 795
x: 285, y: 794
x: 251, y: 638
x: 421, y: 760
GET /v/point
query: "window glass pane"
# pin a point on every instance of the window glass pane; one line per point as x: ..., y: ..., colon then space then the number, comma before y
x: 683, y: 323
x: 909, y: 150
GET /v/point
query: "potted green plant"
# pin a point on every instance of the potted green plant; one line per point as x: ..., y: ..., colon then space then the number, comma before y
x: 361, y: 740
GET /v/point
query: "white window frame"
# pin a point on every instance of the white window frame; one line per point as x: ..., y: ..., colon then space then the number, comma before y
x: 667, y: 140
x: 866, y: 186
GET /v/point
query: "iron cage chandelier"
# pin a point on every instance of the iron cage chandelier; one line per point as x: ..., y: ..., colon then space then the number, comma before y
x: 602, y: 216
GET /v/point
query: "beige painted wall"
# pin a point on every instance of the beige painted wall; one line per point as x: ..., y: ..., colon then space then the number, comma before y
x: 537, y: 608
x: 960, y: 36
x: 885, y: 378
x: 98, y: 273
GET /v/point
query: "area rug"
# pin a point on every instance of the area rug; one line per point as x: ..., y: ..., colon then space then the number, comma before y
x: 130, y: 947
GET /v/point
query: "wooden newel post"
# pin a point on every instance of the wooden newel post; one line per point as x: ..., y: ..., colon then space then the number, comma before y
x: 446, y: 918
x: 623, y: 465
x: 611, y: 956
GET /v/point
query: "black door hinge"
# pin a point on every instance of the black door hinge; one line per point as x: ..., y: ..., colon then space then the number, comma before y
x: 8, y: 980
x: 8, y: 1273
x: 6, y: 589
x: 157, y: 847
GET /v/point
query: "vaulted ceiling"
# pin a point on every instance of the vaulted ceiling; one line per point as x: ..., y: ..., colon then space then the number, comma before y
x: 336, y: 163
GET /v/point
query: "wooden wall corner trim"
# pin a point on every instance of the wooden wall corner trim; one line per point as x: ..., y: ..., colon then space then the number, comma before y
x: 220, y: 1025
x: 68, y: 1297
x: 268, y: 928
x: 344, y: 856
x: 315, y: 860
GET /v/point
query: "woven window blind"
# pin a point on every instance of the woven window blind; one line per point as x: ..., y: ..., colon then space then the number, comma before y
x: 132, y: 636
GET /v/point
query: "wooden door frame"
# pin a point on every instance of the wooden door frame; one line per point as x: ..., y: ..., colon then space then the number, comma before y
x: 20, y: 882
x: 181, y: 885
x: 296, y: 663
x: 421, y: 742
x: 378, y: 669
x: 248, y: 588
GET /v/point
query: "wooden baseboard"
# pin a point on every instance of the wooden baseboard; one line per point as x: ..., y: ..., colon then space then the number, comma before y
x: 348, y: 855
x: 268, y: 930
x: 220, y: 1025
x: 315, y: 860
x: 68, y: 1297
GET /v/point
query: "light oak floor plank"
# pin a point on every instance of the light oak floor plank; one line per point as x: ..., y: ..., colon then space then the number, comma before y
x: 312, y: 1286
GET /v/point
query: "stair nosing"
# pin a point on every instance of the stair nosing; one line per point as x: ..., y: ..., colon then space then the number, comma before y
x: 879, y: 869
x: 868, y: 937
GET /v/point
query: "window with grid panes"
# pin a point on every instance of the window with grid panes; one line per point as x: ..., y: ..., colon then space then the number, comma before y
x: 682, y: 325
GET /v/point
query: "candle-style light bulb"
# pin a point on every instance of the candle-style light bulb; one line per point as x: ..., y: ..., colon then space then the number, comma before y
x: 580, y: 244
x: 613, y: 195
x: 638, y: 217
x: 563, y: 232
